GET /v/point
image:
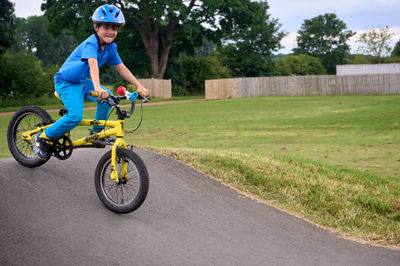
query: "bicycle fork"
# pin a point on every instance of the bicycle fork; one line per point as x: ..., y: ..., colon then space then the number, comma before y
x: 118, y: 143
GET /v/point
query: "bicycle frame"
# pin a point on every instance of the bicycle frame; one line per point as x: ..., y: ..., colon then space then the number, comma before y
x: 117, y: 128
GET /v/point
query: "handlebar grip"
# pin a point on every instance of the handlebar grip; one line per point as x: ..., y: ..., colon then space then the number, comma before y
x: 94, y: 93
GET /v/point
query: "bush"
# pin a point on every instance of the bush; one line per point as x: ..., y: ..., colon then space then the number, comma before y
x: 22, y: 78
x: 176, y: 74
x: 299, y: 65
x: 21, y: 75
x: 198, y: 69
x: 358, y: 59
x: 368, y: 59
x: 47, y: 81
x: 395, y: 59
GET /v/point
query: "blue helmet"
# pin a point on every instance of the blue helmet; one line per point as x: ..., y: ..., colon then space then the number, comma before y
x: 108, y: 14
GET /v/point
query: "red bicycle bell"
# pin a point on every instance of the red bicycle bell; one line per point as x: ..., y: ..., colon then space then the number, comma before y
x: 121, y: 90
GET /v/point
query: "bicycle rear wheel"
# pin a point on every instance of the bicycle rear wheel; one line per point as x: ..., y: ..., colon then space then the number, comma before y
x: 129, y: 193
x: 26, y: 118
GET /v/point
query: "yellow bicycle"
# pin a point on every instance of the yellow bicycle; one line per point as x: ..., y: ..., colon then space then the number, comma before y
x: 121, y: 177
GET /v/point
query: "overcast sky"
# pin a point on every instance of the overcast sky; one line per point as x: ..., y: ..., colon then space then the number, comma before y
x: 359, y: 15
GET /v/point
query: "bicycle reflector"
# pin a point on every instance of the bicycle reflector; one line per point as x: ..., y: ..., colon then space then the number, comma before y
x: 121, y: 90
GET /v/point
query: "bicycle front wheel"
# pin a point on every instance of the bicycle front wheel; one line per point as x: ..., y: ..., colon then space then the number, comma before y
x: 130, y: 191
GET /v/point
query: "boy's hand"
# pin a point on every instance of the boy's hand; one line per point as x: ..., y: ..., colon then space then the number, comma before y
x: 103, y: 94
x: 143, y: 90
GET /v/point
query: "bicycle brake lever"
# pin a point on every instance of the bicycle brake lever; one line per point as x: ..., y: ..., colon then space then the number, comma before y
x: 144, y: 98
x: 107, y: 101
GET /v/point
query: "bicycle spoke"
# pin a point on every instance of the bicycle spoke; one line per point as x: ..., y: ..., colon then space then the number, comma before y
x: 121, y: 193
x: 26, y: 123
x: 113, y: 192
x: 133, y: 195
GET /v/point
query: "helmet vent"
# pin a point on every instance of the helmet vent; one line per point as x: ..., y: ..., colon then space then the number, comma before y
x: 104, y: 11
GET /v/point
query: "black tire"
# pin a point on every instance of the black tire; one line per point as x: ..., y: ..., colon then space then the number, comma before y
x: 122, y: 197
x: 26, y: 118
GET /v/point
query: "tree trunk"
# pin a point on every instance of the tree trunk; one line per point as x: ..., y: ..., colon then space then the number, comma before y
x: 150, y: 32
x: 158, y: 57
x: 152, y: 51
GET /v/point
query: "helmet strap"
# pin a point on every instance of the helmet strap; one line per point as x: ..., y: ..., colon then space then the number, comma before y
x: 100, y: 42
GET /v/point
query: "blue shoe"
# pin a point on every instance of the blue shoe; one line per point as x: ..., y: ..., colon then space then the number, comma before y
x: 40, y: 147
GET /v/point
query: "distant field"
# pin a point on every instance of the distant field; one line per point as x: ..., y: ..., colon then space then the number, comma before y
x: 334, y: 160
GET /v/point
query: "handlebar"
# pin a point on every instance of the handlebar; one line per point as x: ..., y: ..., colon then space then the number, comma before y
x: 125, y: 97
x: 132, y: 96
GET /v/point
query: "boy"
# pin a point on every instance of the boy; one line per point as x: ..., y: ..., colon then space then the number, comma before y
x: 72, y: 82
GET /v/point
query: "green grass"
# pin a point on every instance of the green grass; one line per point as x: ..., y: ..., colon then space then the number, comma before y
x: 334, y: 160
x: 361, y: 132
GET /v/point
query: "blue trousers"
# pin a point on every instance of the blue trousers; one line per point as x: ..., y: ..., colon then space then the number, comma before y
x: 73, y: 96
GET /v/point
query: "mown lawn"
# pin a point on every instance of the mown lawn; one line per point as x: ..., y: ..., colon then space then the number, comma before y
x: 361, y: 132
x: 334, y: 160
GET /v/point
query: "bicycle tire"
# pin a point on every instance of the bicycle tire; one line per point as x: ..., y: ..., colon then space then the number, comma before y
x: 107, y: 189
x: 25, y: 119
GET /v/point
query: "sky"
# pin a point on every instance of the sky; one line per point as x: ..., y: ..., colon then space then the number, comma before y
x: 358, y: 15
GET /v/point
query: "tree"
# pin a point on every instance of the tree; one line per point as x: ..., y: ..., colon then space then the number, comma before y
x: 396, y: 50
x: 7, y: 24
x: 375, y: 42
x: 324, y: 37
x: 248, y: 51
x: 161, y: 25
x: 299, y: 65
x: 32, y: 35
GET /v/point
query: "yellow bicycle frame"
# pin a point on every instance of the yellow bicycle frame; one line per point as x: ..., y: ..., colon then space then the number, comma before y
x: 117, y: 128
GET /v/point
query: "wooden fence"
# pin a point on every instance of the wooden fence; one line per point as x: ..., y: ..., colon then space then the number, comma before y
x: 303, y: 85
x: 159, y: 88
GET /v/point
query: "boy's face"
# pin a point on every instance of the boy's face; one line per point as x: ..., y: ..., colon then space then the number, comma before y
x: 107, y: 32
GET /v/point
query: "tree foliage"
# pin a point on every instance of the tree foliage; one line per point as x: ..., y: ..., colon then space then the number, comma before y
x: 299, y: 65
x: 198, y: 69
x: 248, y: 51
x: 325, y: 37
x: 32, y: 35
x: 7, y: 25
x: 376, y: 42
x: 161, y: 25
x: 23, y: 75
x: 396, y: 50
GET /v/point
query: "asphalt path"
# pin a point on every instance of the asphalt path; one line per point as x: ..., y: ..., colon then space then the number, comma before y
x: 51, y: 215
